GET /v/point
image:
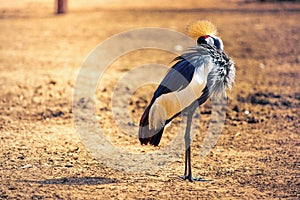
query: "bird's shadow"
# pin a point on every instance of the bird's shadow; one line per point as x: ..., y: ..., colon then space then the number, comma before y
x: 74, y: 181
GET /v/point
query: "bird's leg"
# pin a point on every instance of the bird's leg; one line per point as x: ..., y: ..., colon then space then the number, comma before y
x: 185, y: 166
x: 188, y: 145
x: 187, y: 139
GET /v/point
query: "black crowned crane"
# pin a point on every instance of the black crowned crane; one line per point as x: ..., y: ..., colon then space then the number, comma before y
x: 202, y: 72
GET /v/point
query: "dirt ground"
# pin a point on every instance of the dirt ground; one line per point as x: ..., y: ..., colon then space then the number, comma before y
x: 41, y: 155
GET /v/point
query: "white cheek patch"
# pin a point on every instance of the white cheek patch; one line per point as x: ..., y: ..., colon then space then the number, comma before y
x: 210, y: 41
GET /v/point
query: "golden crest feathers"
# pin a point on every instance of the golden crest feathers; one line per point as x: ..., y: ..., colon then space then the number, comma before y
x: 201, y: 28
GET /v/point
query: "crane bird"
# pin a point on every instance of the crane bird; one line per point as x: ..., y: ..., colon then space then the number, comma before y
x: 200, y: 73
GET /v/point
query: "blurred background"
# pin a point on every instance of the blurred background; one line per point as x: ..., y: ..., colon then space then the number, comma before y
x: 41, y: 156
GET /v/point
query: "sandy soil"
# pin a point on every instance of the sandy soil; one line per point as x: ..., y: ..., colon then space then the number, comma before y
x: 41, y: 155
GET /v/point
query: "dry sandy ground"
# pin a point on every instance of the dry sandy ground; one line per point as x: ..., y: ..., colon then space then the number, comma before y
x: 41, y: 155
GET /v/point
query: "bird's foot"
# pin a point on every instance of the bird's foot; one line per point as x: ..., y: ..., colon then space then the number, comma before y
x: 192, y: 179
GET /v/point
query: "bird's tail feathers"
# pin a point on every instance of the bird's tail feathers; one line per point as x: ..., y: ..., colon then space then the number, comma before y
x: 147, y: 134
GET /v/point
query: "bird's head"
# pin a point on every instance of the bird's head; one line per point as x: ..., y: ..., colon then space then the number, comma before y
x: 205, y: 33
x: 211, y: 40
